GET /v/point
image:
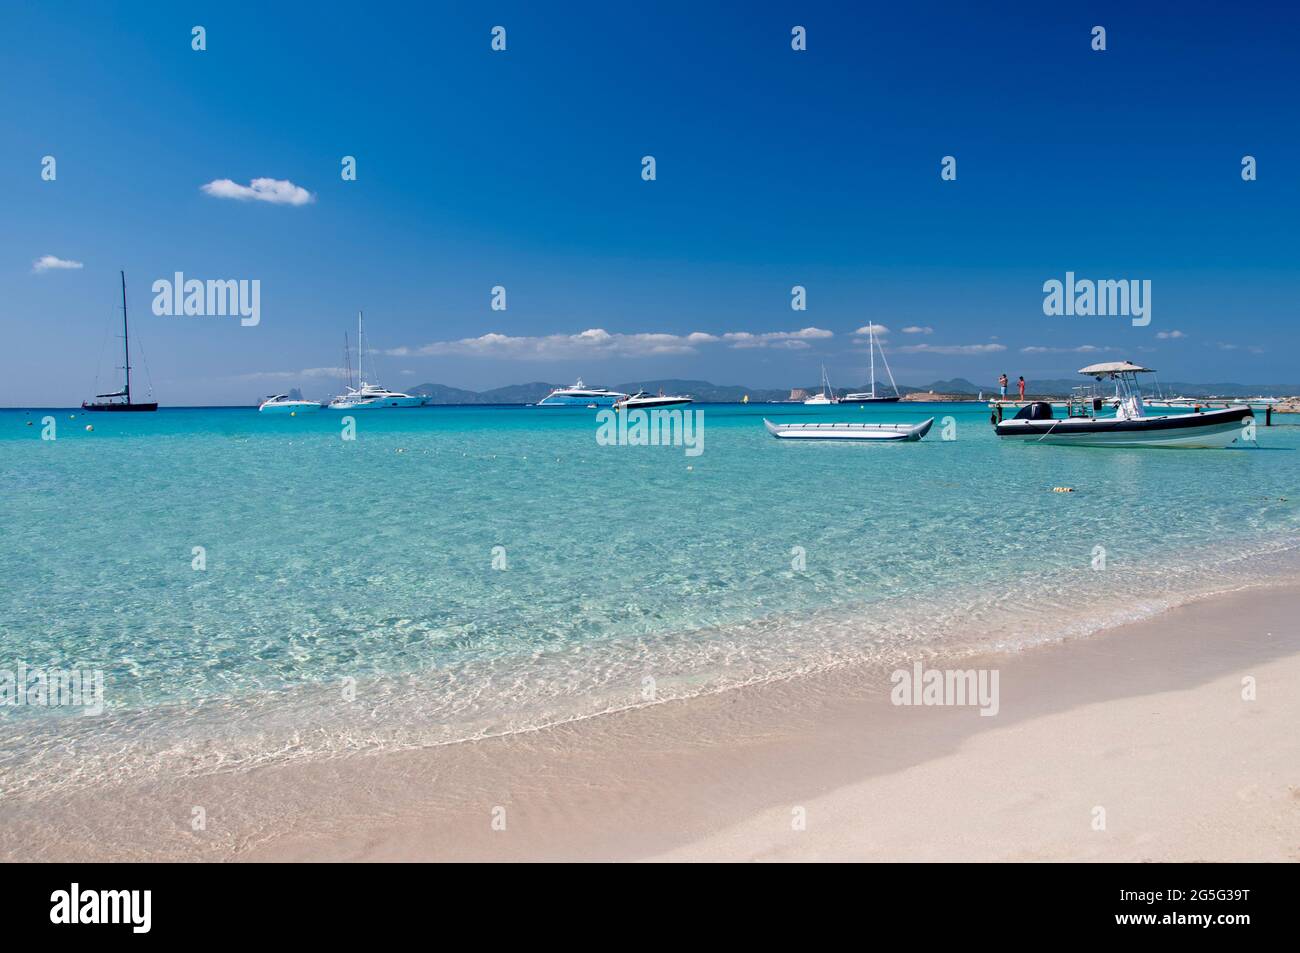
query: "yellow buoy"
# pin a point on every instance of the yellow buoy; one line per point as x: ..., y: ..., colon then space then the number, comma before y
x: 293, y: 413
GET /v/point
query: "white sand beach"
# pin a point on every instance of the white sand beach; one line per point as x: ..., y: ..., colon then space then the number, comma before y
x: 1146, y: 722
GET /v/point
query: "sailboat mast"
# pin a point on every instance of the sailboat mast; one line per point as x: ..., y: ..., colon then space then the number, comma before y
x: 126, y: 340
x: 360, y: 352
x: 871, y: 331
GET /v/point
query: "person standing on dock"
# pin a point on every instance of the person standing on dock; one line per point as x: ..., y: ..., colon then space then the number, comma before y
x: 1021, y: 385
x: 1002, y: 386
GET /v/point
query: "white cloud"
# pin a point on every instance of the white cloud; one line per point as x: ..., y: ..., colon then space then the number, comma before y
x: 1167, y: 335
x: 275, y: 191
x: 917, y: 329
x: 952, y: 348
x: 597, y: 342
x: 868, y: 328
x: 308, y: 372
x: 1081, y: 349
x: 54, y: 263
x: 783, y: 339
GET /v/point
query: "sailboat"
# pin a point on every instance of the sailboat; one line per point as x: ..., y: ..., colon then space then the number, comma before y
x: 827, y: 396
x: 369, y: 396
x: 869, y: 397
x: 121, y: 400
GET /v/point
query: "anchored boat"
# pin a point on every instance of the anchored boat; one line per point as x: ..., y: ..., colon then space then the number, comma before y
x: 849, y: 431
x: 120, y: 400
x: 826, y: 397
x: 284, y: 404
x: 869, y: 397
x: 370, y: 396
x: 1131, y: 426
x: 643, y: 401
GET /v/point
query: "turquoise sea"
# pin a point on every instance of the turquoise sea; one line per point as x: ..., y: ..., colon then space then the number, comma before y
x: 354, y: 596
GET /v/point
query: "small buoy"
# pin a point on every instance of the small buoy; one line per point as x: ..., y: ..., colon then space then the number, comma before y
x: 689, y: 467
x: 293, y: 413
x: 90, y: 427
x: 401, y: 450
x: 1062, y: 489
x: 29, y: 423
x: 72, y: 416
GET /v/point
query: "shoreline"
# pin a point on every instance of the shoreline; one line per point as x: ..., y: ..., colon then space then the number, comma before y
x: 717, y: 777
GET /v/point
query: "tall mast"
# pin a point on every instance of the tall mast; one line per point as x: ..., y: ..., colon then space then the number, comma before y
x: 347, y: 362
x: 126, y: 340
x: 360, y: 353
x: 871, y: 330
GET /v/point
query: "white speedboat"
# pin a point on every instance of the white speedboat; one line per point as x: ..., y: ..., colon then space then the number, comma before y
x: 1131, y: 426
x: 870, y: 397
x: 849, y: 431
x: 580, y: 395
x: 826, y: 397
x: 643, y: 401
x: 370, y: 396
x: 284, y: 404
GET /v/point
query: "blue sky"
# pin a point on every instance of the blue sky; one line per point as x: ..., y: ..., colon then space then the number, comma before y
x: 522, y: 169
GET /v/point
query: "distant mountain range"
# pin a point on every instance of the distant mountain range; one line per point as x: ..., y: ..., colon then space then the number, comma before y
x: 708, y: 393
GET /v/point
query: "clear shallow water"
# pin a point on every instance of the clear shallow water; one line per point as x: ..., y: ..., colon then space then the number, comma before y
x: 330, y: 560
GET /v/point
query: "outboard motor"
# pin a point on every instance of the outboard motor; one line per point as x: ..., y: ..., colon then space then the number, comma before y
x: 1038, y: 410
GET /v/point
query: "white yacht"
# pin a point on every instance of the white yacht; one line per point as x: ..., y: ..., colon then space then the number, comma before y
x: 826, y: 397
x: 370, y: 396
x: 284, y: 404
x: 580, y: 395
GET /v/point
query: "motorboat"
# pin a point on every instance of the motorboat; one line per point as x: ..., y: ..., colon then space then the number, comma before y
x: 120, y: 400
x: 1131, y: 425
x: 827, y: 395
x: 579, y: 394
x: 849, y: 431
x: 870, y: 397
x: 370, y: 396
x: 284, y: 404
x: 643, y: 401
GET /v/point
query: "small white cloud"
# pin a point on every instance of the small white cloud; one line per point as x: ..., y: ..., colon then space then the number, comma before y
x: 952, y: 348
x: 275, y: 191
x: 870, y: 328
x: 918, y: 329
x: 54, y: 263
x: 1168, y: 335
x: 1081, y: 349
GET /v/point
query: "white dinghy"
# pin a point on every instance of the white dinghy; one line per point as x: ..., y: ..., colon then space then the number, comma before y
x: 849, y: 431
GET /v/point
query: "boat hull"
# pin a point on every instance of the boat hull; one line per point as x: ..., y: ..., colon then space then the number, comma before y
x: 377, y: 403
x: 603, y: 400
x: 652, y: 403
x: 1205, y: 431
x: 121, y: 408
x: 868, y: 432
x: 307, y: 407
x: 851, y: 399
